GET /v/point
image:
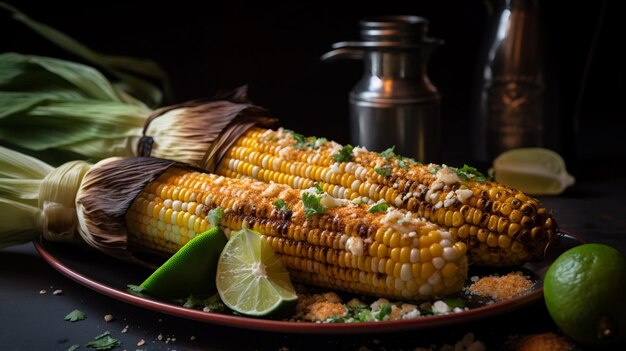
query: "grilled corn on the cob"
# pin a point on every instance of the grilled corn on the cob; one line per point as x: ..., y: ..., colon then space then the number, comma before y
x: 502, y: 226
x: 122, y: 206
x: 340, y: 246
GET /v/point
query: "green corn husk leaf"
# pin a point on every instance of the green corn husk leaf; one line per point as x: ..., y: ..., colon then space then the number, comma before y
x: 55, y: 104
x: 123, y: 68
x: 20, y: 177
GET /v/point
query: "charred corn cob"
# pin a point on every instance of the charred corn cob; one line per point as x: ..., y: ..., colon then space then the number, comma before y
x: 501, y: 226
x: 322, y: 240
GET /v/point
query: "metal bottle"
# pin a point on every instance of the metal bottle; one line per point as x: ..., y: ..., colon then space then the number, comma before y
x: 394, y: 103
x: 513, y: 89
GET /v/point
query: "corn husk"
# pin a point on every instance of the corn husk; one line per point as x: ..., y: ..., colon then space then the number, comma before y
x: 48, y: 104
x: 132, y: 74
x: 76, y: 202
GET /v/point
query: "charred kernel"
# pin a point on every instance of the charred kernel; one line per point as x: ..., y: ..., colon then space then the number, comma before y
x: 515, y: 216
x: 528, y: 209
x: 537, y: 234
x: 527, y: 222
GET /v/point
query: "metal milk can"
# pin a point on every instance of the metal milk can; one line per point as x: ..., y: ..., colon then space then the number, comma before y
x: 394, y: 103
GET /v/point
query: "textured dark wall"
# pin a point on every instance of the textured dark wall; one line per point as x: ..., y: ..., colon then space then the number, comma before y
x: 276, y: 49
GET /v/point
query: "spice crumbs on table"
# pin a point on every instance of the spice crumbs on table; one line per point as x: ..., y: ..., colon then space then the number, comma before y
x: 125, y: 330
x: 108, y: 318
x: 192, y: 338
x: 42, y: 291
x: 541, y: 342
x: 57, y: 292
x: 141, y: 342
x: 501, y: 287
x: 160, y: 337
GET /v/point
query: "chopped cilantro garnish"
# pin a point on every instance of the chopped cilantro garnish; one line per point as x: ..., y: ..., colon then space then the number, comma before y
x: 434, y: 169
x: 318, y: 187
x: 454, y: 302
x: 344, y: 155
x: 300, y: 139
x: 384, y: 171
x: 306, y: 142
x: 75, y: 316
x: 406, y: 162
x: 470, y: 173
x: 213, y: 303
x: 192, y: 301
x: 281, y: 205
x: 135, y: 288
x: 365, y: 316
x: 387, y: 154
x: 215, y: 216
x: 103, y: 341
x: 73, y: 347
x: 385, y: 310
x: 380, y: 207
x: 312, y: 205
x: 334, y: 319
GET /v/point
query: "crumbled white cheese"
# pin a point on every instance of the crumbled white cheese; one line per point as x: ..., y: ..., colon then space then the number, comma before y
x: 436, y: 185
x: 332, y: 202
x: 272, y: 190
x: 335, y: 168
x: 359, y: 150
x: 463, y: 195
x: 355, y: 245
x: 440, y: 307
x: 402, y: 222
x: 447, y: 176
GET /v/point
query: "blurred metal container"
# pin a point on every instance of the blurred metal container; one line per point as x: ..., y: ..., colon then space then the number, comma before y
x: 394, y: 103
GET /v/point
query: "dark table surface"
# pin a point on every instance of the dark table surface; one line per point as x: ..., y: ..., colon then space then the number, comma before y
x: 592, y: 209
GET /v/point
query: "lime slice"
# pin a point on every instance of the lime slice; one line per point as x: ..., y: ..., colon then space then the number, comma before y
x: 534, y: 171
x: 251, y: 278
x: 191, y: 270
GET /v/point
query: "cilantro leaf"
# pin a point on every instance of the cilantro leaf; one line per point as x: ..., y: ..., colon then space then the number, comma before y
x: 281, y: 205
x: 300, y: 139
x: 193, y: 301
x: 385, y: 310
x: 470, y: 173
x: 365, y: 316
x: 344, y: 155
x: 384, y: 171
x: 103, y: 341
x: 75, y: 316
x: 387, y: 154
x: 454, y: 302
x: 318, y: 187
x: 406, y: 162
x: 380, y: 207
x: 73, y: 347
x: 312, y: 205
x: 215, y: 216
x: 213, y: 303
x: 135, y: 288
x: 434, y: 169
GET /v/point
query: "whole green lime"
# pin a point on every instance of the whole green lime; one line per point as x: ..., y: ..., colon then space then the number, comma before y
x: 585, y: 295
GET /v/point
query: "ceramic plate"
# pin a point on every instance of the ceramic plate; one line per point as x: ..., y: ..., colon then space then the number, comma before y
x: 108, y: 276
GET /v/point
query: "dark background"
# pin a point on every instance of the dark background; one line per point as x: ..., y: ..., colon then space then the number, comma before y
x: 275, y: 49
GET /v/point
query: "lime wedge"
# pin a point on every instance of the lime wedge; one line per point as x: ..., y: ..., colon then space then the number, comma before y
x: 536, y: 171
x: 251, y: 278
x: 191, y: 270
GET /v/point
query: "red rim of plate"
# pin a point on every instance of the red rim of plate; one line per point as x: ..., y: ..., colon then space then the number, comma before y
x: 297, y: 327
